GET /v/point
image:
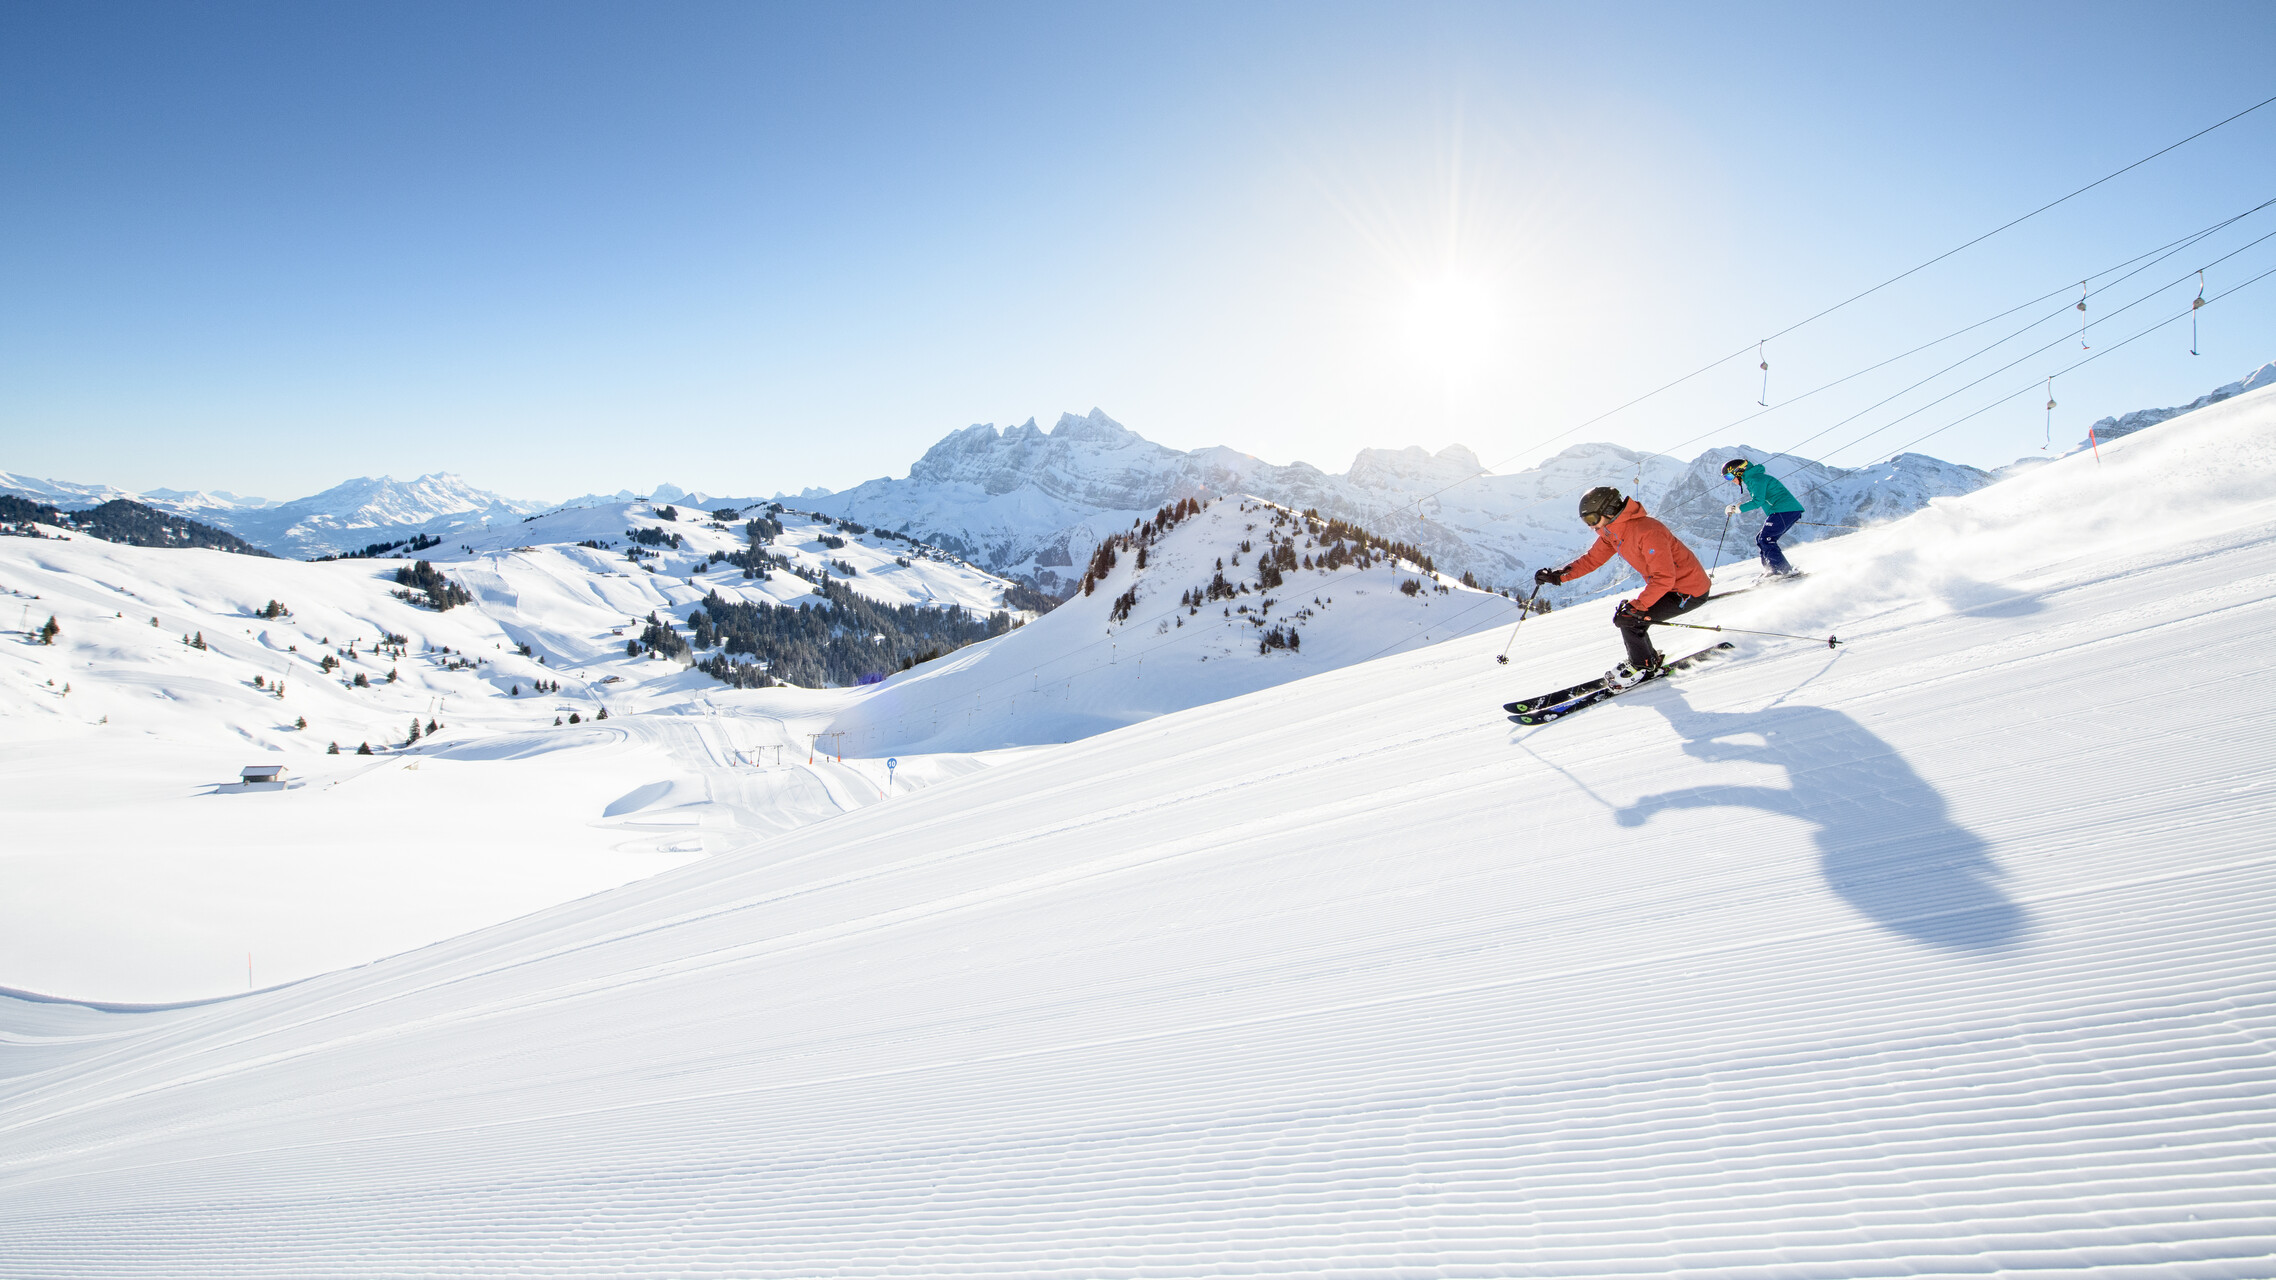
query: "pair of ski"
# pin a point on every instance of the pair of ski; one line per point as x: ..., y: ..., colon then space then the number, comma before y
x: 1586, y: 694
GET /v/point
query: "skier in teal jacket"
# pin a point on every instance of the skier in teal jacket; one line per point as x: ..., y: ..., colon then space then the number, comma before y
x: 1778, y: 506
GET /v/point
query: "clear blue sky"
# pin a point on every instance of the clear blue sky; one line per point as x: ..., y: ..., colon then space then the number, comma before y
x: 561, y: 247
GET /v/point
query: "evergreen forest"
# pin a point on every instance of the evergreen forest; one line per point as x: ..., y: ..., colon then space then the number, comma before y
x: 845, y: 640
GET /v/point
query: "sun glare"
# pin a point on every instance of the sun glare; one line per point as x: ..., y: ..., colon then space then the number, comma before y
x: 1450, y: 324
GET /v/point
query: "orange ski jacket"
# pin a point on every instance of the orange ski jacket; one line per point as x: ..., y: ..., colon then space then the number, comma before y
x: 1655, y: 551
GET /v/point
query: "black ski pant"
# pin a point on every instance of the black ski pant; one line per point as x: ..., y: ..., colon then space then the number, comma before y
x: 1634, y: 625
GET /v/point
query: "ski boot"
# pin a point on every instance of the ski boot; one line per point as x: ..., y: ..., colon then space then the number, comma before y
x: 1627, y: 675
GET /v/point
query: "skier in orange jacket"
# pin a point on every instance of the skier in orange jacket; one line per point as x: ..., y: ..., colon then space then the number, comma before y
x: 1673, y: 580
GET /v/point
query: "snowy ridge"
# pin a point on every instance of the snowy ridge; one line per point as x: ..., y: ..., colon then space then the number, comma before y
x: 1134, y: 648
x: 62, y: 493
x: 345, y: 517
x: 366, y: 510
x: 1824, y: 964
x: 2115, y: 427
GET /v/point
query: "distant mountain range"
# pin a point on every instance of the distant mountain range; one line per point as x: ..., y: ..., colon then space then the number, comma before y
x: 345, y: 517
x: 1030, y: 504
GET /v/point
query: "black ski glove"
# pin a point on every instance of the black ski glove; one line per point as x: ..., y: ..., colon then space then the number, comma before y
x: 1548, y: 577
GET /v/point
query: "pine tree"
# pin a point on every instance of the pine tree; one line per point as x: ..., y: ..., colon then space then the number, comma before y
x: 603, y: 715
x: 363, y: 749
x: 332, y: 750
x: 302, y: 723
x: 198, y: 643
x: 517, y: 692
x: 414, y: 736
x: 49, y: 632
x: 431, y: 727
x: 574, y: 718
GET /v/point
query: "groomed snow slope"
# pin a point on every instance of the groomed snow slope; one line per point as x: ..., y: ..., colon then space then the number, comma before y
x: 1945, y: 953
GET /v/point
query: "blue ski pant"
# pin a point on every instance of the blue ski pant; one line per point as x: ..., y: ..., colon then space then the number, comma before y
x: 1766, y: 542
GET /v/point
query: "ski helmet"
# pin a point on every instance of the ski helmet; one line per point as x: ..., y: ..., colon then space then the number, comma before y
x: 1735, y: 466
x: 1604, y: 501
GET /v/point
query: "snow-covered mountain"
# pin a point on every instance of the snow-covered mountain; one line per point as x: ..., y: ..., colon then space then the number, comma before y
x: 345, y: 517
x: 1201, y: 602
x: 191, y: 501
x: 367, y: 510
x: 664, y: 493
x: 1821, y: 963
x: 1031, y: 504
x: 64, y: 493
x: 2118, y: 426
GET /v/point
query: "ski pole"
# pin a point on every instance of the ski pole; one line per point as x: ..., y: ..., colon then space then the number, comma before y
x: 1526, y: 610
x: 1719, y: 538
x: 1830, y: 641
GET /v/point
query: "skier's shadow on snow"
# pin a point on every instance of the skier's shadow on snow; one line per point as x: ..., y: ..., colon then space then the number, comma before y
x: 1885, y: 842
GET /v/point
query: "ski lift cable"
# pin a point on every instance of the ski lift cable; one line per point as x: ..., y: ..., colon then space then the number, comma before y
x: 2028, y: 216
x: 2192, y: 310
x: 2147, y: 260
x: 1789, y: 450
x: 2027, y: 355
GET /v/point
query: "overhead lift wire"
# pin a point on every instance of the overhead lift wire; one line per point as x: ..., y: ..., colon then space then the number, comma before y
x: 2156, y: 255
x: 1993, y: 346
x: 2193, y: 308
x: 2145, y: 260
x: 2183, y: 279
x: 2025, y: 218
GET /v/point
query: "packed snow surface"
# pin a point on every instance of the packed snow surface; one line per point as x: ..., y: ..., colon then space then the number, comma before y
x: 1947, y: 952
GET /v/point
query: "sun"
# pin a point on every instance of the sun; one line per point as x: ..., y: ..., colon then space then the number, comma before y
x: 1450, y: 324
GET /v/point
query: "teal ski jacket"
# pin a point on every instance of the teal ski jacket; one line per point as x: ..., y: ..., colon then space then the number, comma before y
x: 1765, y: 494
